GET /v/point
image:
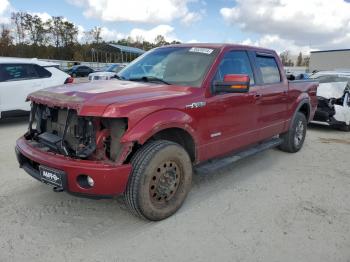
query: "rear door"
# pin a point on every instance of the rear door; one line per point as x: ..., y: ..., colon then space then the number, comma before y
x: 16, y: 82
x: 271, y: 95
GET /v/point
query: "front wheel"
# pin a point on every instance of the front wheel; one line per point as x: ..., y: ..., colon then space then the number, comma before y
x: 294, y: 139
x: 160, y: 180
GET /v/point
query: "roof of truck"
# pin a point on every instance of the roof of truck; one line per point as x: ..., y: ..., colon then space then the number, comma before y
x: 221, y: 46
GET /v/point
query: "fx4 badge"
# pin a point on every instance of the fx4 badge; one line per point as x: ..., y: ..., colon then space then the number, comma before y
x: 196, y: 105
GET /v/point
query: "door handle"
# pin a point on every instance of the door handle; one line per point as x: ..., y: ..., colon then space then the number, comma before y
x: 257, y: 96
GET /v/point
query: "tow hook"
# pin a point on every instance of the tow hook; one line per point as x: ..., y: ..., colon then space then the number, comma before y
x: 58, y: 189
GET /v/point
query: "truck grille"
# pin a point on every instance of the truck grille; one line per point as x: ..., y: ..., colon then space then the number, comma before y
x: 62, y: 130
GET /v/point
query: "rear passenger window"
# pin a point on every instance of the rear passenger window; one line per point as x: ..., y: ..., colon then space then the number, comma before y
x: 269, y: 69
x: 13, y: 72
x: 42, y: 72
x: 235, y: 62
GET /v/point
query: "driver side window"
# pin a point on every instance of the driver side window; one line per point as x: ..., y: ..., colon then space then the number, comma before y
x: 235, y: 62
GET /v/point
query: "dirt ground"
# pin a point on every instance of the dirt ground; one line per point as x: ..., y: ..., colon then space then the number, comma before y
x: 274, y: 206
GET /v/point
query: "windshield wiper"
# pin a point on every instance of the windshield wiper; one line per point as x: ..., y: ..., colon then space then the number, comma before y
x: 150, y: 79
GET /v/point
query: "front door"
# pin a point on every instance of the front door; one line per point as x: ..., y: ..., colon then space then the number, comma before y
x: 231, y: 118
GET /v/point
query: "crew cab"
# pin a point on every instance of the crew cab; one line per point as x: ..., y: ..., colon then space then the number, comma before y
x: 174, y: 109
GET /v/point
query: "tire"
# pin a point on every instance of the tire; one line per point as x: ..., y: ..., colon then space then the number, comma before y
x: 160, y: 180
x: 294, y: 139
x: 345, y: 128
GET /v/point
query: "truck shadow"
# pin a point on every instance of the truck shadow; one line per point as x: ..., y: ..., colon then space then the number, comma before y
x: 232, y: 176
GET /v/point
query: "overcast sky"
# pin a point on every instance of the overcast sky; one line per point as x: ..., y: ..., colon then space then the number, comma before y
x: 296, y: 25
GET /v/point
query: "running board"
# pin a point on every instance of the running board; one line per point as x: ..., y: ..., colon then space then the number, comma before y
x: 219, y: 163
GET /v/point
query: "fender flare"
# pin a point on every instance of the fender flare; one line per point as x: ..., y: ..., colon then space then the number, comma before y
x: 158, y: 121
x: 302, y: 102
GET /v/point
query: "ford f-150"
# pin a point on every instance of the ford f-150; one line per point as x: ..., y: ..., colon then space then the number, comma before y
x: 172, y: 110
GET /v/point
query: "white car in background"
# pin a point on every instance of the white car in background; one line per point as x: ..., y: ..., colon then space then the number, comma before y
x: 106, y: 73
x: 20, y: 77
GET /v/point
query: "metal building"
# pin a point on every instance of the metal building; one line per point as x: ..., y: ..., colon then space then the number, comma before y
x: 113, y: 53
x: 330, y: 60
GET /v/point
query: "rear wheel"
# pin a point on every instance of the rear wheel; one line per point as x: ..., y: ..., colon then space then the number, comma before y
x: 160, y: 180
x: 294, y: 139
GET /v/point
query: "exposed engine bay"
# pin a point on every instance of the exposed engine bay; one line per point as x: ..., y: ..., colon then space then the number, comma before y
x: 62, y: 131
x: 333, y: 103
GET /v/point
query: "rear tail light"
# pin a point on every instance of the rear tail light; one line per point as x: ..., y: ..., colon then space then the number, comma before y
x: 69, y: 80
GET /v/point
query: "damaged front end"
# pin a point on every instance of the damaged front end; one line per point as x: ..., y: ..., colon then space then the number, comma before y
x: 62, y: 131
x: 333, y: 103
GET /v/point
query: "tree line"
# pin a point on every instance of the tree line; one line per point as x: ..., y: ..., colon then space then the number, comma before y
x: 287, y: 60
x: 57, y: 38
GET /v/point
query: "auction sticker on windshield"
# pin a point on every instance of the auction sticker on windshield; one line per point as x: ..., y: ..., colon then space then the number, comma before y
x: 207, y: 51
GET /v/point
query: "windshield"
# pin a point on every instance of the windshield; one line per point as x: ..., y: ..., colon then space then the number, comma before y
x: 173, y: 65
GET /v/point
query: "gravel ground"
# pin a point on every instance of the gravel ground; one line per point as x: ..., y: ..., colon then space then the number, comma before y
x: 274, y: 206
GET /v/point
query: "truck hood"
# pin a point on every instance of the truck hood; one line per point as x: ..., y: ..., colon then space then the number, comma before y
x: 91, y: 99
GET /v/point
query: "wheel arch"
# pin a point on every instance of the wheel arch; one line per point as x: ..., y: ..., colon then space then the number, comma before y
x: 171, y: 125
x: 179, y: 136
x: 304, y: 107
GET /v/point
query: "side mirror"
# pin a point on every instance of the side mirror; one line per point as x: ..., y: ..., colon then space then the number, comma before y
x: 233, y: 84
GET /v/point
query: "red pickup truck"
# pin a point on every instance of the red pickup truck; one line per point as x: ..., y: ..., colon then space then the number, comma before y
x: 172, y: 109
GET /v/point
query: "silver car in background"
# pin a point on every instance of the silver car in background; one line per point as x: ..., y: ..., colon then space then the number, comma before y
x: 106, y: 73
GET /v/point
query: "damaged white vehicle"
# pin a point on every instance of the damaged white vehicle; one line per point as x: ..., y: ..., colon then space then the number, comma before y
x: 333, y: 96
